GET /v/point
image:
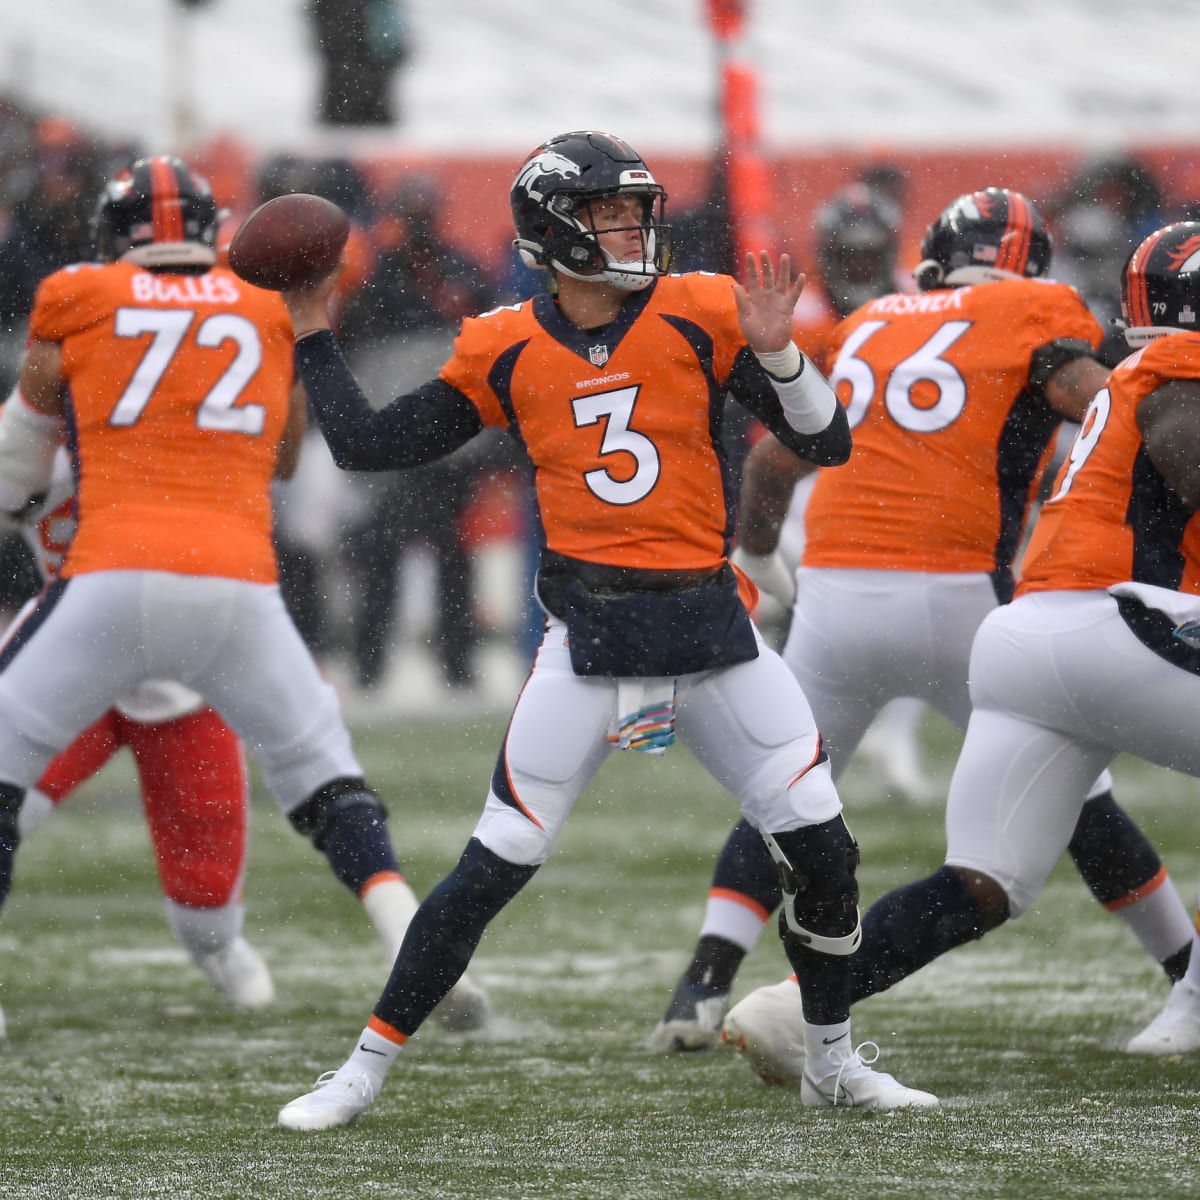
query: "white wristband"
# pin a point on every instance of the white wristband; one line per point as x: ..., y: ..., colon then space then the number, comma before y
x: 769, y: 572
x: 782, y: 364
x: 807, y: 400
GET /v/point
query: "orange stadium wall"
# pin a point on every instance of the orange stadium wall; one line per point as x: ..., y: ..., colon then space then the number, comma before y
x: 476, y: 189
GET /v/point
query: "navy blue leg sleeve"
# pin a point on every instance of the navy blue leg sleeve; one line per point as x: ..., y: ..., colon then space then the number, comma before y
x: 912, y: 926
x: 445, y: 932
x: 11, y: 798
x: 744, y: 865
x: 346, y: 821
x: 1112, y: 854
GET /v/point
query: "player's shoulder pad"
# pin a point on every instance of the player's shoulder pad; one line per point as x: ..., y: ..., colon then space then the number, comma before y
x: 1175, y: 356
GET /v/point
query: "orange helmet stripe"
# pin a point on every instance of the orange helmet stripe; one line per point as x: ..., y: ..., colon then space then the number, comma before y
x: 166, y: 210
x: 1137, y: 295
x: 1018, y: 233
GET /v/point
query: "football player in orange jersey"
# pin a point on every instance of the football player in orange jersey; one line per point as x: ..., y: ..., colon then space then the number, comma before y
x: 955, y: 395
x: 173, y: 383
x: 192, y: 773
x: 1096, y: 655
x: 615, y: 382
x: 857, y: 238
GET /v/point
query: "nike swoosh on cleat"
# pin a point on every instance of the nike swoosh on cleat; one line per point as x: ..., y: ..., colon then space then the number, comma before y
x: 368, y: 1050
x: 824, y: 1041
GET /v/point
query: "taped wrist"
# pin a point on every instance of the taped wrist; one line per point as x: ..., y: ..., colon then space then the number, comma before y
x: 807, y: 400
x: 29, y: 441
x: 1046, y: 360
x: 769, y: 572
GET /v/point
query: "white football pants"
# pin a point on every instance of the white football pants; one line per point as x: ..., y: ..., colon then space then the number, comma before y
x: 748, y: 725
x: 76, y: 653
x: 859, y: 639
x: 1060, y: 686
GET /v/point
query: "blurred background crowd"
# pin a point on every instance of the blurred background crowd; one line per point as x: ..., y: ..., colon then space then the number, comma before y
x: 433, y: 566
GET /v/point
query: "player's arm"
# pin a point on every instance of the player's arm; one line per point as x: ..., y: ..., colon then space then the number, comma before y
x: 288, y: 457
x: 1068, y: 376
x: 769, y: 476
x: 31, y: 428
x: 419, y: 427
x: 426, y: 424
x: 1169, y: 419
x: 798, y: 406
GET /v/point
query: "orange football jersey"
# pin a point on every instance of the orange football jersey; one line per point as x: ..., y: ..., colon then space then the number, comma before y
x: 623, y: 431
x: 178, y: 393
x: 949, y: 440
x: 1111, y: 517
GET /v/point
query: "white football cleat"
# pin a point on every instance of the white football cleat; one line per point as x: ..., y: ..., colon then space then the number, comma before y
x: 767, y: 1028
x: 855, y: 1085
x: 464, y: 1008
x: 339, y: 1098
x: 239, y: 975
x: 692, y: 1020
x: 1176, y: 1030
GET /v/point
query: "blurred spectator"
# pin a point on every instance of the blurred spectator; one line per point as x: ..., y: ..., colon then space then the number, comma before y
x: 888, y: 180
x: 53, y: 193
x: 410, y: 308
x: 702, y: 235
x: 1109, y: 206
x: 420, y: 281
x: 313, y: 508
x: 51, y: 215
x: 361, y: 44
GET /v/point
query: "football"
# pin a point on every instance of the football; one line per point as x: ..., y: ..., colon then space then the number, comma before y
x: 289, y: 242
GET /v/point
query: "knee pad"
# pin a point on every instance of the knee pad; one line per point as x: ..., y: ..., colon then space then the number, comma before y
x: 312, y: 818
x: 820, y: 893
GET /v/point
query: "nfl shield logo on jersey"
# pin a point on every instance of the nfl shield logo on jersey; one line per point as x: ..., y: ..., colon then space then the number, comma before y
x: 598, y: 355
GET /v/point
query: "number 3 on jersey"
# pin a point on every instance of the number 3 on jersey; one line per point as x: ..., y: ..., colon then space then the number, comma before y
x: 926, y: 365
x: 616, y: 410
x: 168, y: 329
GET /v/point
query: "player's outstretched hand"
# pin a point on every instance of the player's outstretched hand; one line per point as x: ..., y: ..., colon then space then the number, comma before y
x: 308, y: 306
x: 766, y: 301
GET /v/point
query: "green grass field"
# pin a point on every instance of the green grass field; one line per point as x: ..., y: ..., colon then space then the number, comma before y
x: 124, y: 1077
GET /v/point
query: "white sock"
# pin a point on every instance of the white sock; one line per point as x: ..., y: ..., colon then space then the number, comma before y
x: 734, y: 920
x: 390, y: 904
x: 374, y: 1054
x: 1193, y: 972
x: 35, y: 808
x: 821, y: 1042
x: 205, y: 931
x: 1159, y: 920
